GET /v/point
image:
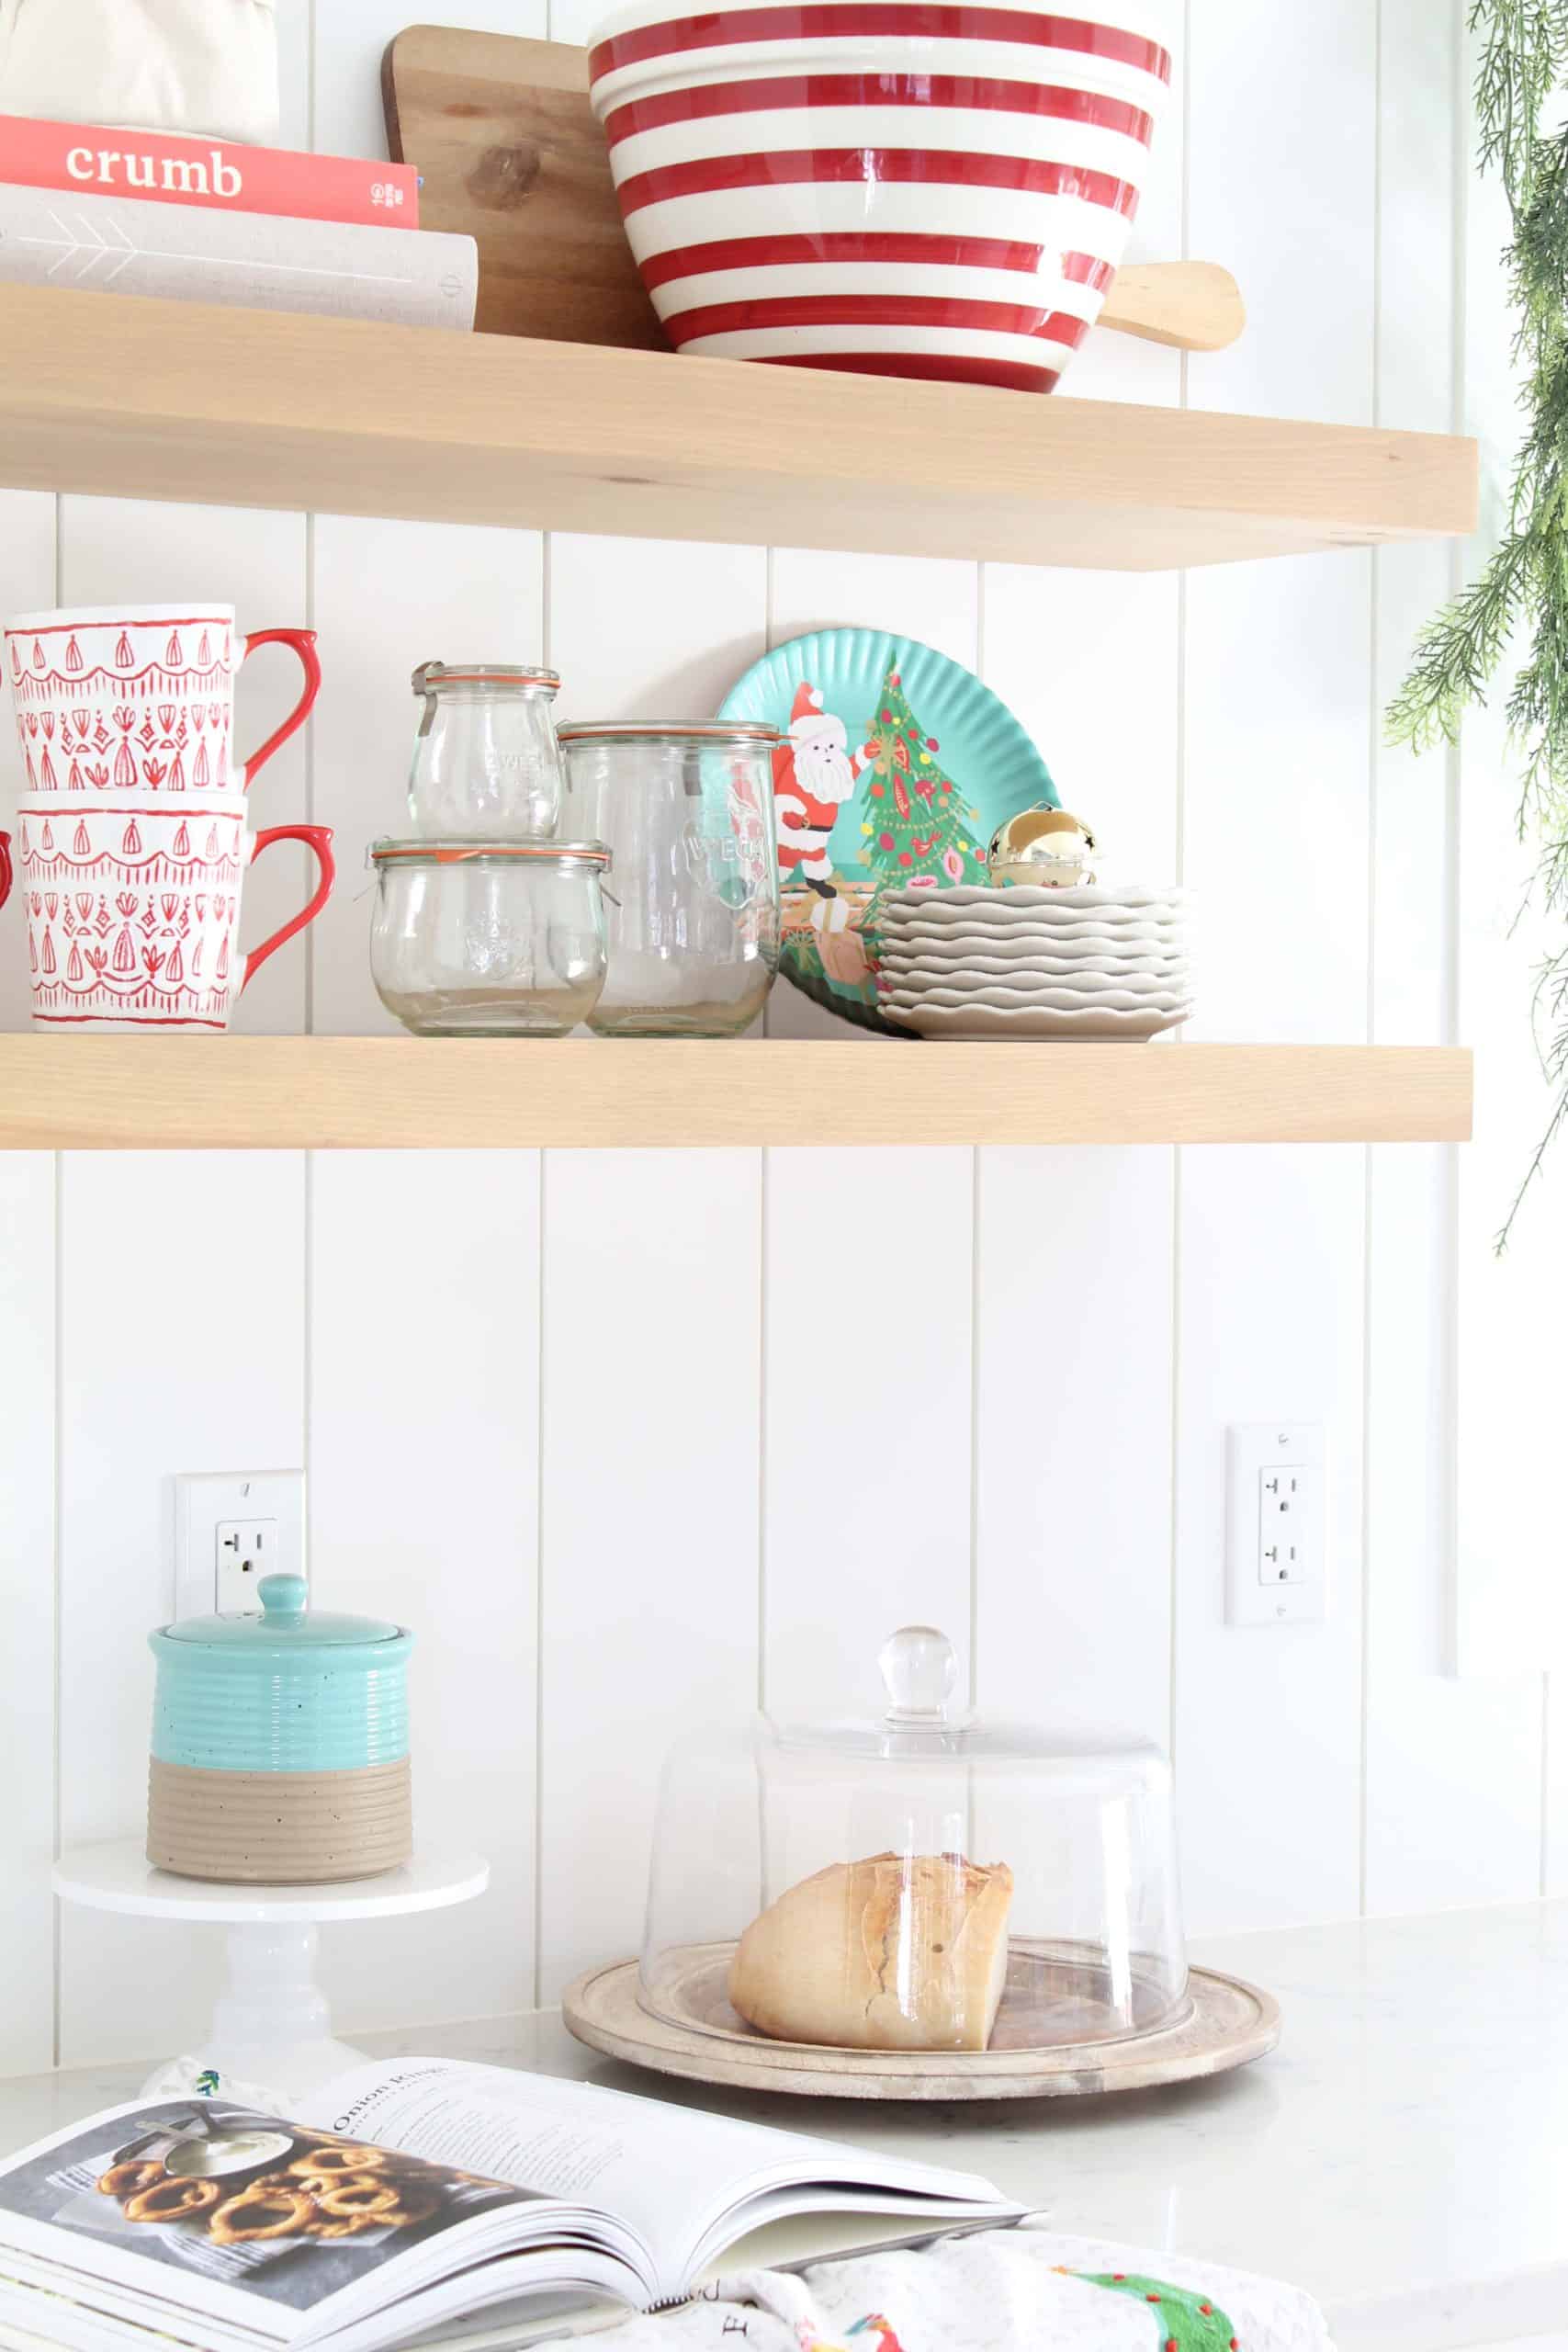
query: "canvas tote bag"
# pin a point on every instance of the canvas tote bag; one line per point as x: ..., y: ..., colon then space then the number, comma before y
x: 207, y: 67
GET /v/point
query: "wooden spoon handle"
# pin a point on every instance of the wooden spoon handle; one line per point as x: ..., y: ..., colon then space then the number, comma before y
x: 1192, y: 305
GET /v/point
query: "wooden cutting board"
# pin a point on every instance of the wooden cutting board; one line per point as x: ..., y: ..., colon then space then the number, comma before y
x: 511, y: 155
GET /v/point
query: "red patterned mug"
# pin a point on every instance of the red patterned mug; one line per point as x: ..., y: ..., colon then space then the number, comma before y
x: 140, y: 697
x: 132, y: 907
x: 4, y: 867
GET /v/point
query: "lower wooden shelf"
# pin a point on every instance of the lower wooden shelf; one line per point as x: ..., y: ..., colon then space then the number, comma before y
x: 106, y: 1093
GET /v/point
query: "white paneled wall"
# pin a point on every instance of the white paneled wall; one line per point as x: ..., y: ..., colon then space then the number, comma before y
x: 631, y: 1437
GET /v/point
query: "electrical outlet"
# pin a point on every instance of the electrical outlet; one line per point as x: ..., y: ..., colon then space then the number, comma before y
x: 231, y: 1528
x: 1274, y: 1523
x: 1284, y: 1502
x: 248, y: 1549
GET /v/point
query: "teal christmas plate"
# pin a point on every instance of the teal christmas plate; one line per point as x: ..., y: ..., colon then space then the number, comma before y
x: 896, y: 767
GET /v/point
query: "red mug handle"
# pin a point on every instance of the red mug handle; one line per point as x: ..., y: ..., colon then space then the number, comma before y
x: 5, y: 876
x: 318, y: 839
x: 303, y: 641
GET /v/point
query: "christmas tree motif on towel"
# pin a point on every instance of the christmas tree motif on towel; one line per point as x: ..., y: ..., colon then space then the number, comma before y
x: 74, y: 661
x: 123, y: 657
x: 173, y: 657
x: 872, y: 2334
x: 916, y: 823
x: 124, y: 766
x: 1186, y: 2321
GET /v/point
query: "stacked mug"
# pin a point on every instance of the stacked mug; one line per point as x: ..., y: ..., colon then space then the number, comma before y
x: 132, y: 840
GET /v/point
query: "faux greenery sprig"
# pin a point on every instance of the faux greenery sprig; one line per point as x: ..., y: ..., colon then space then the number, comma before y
x: 1523, y: 60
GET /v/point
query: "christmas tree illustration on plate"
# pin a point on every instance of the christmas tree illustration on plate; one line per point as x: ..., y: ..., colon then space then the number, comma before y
x: 915, y: 819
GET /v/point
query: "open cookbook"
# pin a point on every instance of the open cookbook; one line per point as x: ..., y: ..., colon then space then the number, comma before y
x: 422, y: 2200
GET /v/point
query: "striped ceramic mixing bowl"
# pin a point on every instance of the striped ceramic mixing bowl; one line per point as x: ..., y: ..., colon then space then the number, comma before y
x: 903, y: 187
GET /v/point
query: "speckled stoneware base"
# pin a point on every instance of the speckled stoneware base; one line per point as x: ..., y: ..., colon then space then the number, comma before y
x: 280, y: 1829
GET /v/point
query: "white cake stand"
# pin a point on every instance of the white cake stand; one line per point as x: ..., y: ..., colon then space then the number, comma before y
x: 270, y: 2025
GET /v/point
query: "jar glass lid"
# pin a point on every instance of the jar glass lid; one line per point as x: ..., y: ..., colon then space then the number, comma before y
x: 430, y: 675
x: 286, y: 1618
x: 742, y: 732
x: 453, y: 850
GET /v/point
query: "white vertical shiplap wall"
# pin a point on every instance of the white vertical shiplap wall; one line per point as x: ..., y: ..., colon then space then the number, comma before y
x: 631, y: 1437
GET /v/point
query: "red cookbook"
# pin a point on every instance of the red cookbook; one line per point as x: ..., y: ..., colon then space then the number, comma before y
x: 79, y: 159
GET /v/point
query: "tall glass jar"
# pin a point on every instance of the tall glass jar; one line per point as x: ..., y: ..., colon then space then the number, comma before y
x: 693, y: 911
x: 485, y: 760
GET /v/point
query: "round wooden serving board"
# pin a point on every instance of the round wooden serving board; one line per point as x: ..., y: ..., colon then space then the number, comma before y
x: 1227, y: 2023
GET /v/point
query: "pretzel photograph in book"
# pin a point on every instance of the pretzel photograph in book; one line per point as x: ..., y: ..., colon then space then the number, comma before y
x: 412, y: 2193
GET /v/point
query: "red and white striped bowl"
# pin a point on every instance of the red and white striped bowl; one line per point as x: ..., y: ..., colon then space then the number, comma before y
x: 899, y: 187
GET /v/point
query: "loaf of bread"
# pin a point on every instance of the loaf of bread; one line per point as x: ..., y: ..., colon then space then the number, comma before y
x: 896, y: 1952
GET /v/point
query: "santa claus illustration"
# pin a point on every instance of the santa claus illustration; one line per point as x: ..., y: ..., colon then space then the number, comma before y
x: 814, y: 773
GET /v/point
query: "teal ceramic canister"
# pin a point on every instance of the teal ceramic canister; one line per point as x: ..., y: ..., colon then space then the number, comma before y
x: 280, y: 1744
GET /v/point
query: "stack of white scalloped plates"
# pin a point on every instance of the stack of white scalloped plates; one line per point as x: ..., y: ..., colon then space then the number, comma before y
x: 1033, y: 963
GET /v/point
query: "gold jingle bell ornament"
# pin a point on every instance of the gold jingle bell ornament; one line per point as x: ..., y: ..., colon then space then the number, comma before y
x: 1049, y: 849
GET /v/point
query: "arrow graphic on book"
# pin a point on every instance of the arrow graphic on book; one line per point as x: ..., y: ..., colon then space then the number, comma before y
x: 91, y: 245
x: 95, y: 246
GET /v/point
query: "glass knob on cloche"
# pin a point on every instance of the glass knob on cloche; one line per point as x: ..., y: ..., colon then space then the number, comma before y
x: 919, y: 1668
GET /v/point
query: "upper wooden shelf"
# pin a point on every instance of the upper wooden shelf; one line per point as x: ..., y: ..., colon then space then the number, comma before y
x: 193, y: 1094
x: 137, y: 398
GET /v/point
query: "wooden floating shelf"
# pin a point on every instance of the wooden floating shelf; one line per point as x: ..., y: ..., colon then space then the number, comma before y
x: 140, y: 398
x: 87, y: 1093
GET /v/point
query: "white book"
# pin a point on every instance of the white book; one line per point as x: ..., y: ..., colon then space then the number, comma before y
x: 422, y: 2200
x: 257, y: 261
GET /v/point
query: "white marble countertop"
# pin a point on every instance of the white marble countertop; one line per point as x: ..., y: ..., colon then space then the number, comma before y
x: 1404, y: 2154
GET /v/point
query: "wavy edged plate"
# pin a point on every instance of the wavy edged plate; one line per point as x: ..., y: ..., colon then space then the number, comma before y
x: 1023, y: 969
x: 899, y: 1001
x: 1223, y: 2022
x: 973, y: 1021
x: 1010, y: 895
x: 1078, y: 939
x: 978, y: 748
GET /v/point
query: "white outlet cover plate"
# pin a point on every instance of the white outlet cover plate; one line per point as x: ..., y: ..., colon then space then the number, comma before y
x: 205, y: 1501
x: 1253, y: 1448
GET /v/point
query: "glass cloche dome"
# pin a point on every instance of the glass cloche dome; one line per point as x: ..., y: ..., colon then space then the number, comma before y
x: 921, y: 1881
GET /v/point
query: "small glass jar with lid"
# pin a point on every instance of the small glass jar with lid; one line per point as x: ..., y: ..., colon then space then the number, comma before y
x: 694, y: 911
x: 488, y: 938
x: 485, y: 759
x: 921, y: 1880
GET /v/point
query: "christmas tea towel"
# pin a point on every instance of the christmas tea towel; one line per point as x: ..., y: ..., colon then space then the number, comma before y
x: 208, y: 68
x: 1025, y: 2289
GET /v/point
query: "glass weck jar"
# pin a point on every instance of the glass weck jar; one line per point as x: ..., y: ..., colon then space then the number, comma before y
x: 693, y: 918
x: 485, y: 760
x: 919, y: 1879
x: 488, y: 939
